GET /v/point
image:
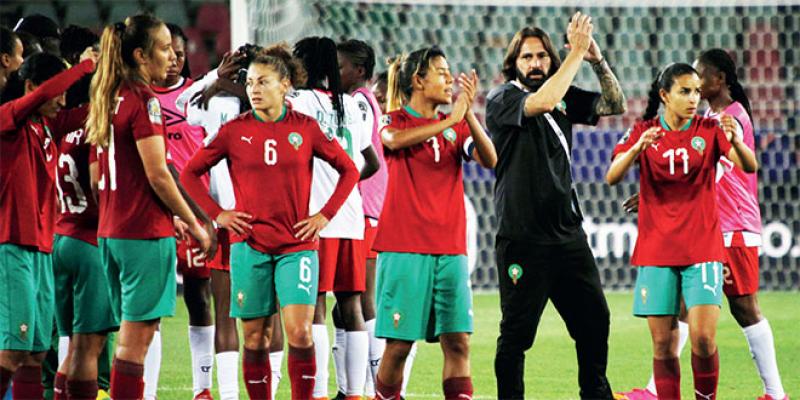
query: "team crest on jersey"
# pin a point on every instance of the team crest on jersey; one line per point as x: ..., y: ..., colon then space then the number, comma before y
x: 699, y: 144
x: 295, y: 140
x: 562, y: 106
x: 514, y: 272
x: 154, y: 110
x: 450, y: 135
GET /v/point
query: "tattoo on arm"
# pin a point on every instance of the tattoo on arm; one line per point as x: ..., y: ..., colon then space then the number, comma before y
x: 612, y: 101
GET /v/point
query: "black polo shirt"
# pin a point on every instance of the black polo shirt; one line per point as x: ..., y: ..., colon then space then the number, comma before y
x: 534, y: 199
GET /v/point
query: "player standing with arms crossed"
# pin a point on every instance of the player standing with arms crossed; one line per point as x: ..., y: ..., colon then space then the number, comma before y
x: 277, y: 261
x: 137, y: 193
x: 679, y: 250
x: 423, y: 288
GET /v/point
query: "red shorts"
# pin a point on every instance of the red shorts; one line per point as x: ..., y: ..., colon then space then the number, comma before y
x: 370, y: 230
x: 342, y: 265
x: 222, y: 260
x: 740, y: 272
x: 191, y: 261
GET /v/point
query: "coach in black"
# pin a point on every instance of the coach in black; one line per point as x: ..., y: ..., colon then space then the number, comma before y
x: 542, y: 250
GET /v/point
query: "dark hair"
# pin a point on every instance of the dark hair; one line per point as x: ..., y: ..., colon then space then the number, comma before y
x: 359, y: 53
x: 39, y: 26
x: 8, y: 40
x: 37, y: 68
x: 515, y: 46
x: 401, y: 71
x: 664, y: 80
x: 723, y: 62
x: 175, y: 30
x: 294, y: 69
x: 319, y: 57
x: 75, y: 40
x: 30, y: 44
x: 382, y: 77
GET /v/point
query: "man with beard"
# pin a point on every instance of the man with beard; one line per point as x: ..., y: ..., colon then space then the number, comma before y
x: 542, y: 251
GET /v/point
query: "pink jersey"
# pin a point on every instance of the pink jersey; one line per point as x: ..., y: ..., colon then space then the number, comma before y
x: 737, y: 191
x: 183, y: 140
x: 373, y: 190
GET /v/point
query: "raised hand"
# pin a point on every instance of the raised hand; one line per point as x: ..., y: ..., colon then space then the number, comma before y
x: 649, y: 137
x: 579, y: 32
x: 230, y: 65
x: 728, y: 125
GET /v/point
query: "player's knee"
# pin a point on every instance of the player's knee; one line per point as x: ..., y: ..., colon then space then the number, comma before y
x: 664, y: 345
x: 745, y: 310
x: 14, y: 357
x: 456, y: 346
x: 704, y: 343
x: 299, y: 336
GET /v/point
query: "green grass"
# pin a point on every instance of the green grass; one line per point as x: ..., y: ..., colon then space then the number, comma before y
x: 551, y: 369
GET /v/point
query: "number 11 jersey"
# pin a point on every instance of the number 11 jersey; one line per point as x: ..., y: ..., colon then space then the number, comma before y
x: 678, y: 219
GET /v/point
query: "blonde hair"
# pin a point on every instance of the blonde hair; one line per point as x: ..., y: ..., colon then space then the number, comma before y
x: 115, y: 66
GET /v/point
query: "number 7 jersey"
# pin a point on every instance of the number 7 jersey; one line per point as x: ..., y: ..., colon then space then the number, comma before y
x: 678, y: 218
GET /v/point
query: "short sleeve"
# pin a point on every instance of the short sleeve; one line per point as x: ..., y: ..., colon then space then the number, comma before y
x: 581, y: 106
x: 506, y: 107
x: 627, y: 140
x: 148, y: 119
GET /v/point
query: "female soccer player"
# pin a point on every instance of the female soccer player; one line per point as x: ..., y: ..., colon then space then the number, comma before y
x: 341, y: 247
x: 679, y: 249
x: 183, y: 140
x: 270, y: 154
x: 423, y: 288
x: 10, y: 55
x: 28, y: 135
x: 137, y: 193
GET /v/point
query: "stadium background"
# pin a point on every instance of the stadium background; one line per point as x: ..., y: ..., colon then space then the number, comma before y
x: 764, y: 38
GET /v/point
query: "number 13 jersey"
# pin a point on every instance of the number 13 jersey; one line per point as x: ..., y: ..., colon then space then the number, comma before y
x: 678, y: 219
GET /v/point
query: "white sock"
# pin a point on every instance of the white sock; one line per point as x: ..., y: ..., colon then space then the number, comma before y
x: 762, y: 348
x: 339, y: 353
x: 63, y: 348
x: 356, y: 361
x: 152, y: 367
x: 228, y: 375
x: 683, y: 337
x: 369, y: 386
x: 376, y: 346
x: 275, y: 362
x: 407, y: 369
x: 201, y: 343
x: 322, y: 350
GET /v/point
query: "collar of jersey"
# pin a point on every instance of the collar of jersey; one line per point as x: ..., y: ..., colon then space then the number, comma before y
x: 280, y: 117
x: 666, y: 127
x: 413, y: 112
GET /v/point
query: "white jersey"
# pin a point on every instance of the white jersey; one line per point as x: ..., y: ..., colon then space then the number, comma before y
x: 221, y: 109
x: 354, y: 137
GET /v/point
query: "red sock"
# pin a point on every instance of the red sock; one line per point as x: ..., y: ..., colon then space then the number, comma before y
x: 387, y: 392
x: 60, y: 387
x: 302, y: 369
x: 257, y: 373
x: 667, y: 374
x: 82, y: 390
x: 5, y: 380
x: 27, y: 383
x: 706, y: 376
x: 127, y: 380
x: 457, y: 388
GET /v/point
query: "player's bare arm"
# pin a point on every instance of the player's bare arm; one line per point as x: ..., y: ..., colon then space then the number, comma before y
x: 371, y: 163
x: 623, y: 161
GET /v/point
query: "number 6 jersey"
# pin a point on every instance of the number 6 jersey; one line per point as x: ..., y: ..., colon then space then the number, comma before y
x: 678, y: 219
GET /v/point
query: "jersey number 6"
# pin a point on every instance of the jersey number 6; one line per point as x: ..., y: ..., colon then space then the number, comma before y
x: 270, y: 152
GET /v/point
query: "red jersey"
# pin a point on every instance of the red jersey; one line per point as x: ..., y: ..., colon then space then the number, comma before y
x: 423, y: 211
x: 678, y: 220
x: 78, y: 218
x: 271, y: 165
x: 28, y: 163
x: 129, y: 208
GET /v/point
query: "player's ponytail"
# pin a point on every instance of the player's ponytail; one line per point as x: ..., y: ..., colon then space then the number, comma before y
x: 394, y: 95
x: 321, y: 63
x: 723, y: 62
x: 116, y: 65
x: 664, y: 80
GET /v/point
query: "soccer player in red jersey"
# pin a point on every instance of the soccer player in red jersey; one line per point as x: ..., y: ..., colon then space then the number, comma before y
x: 183, y: 140
x: 137, y: 193
x: 423, y: 288
x: 679, y: 251
x: 28, y: 136
x: 270, y: 153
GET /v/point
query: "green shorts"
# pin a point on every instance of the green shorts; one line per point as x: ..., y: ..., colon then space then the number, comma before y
x: 659, y: 289
x: 26, y: 299
x: 84, y: 302
x: 140, y: 276
x: 421, y: 296
x: 256, y: 279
